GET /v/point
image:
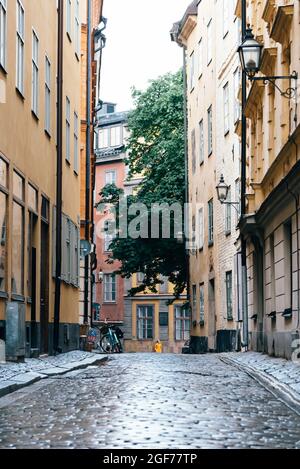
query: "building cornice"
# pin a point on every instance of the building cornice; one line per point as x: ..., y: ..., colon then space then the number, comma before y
x: 268, y: 60
x: 282, y: 24
x: 254, y: 97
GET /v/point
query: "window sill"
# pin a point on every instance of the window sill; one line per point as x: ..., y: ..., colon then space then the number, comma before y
x: 75, y: 173
x: 20, y: 94
x: 69, y: 36
x: 209, y: 154
x: 68, y: 162
x: 34, y: 115
x: 226, y: 133
x: 200, y: 76
x: 3, y: 295
x: 201, y: 163
x: 230, y: 319
x: 77, y: 56
x: 19, y: 298
x: 210, y: 244
x: 48, y: 134
x: 109, y: 302
x: 3, y: 69
x: 208, y: 64
x: 192, y: 89
x: 227, y: 232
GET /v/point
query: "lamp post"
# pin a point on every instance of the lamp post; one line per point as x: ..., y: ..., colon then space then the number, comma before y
x: 223, y: 191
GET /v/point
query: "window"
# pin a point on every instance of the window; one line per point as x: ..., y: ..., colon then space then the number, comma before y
x: 68, y: 17
x: 201, y: 141
x: 111, y: 177
x: 145, y: 322
x: 182, y: 323
x: 68, y: 130
x: 47, y: 96
x: 210, y: 131
x: 109, y: 288
x: 193, y: 150
x: 115, y: 136
x: 210, y: 222
x: 202, y: 305
x: 17, y: 274
x: 77, y: 29
x: 194, y: 299
x: 103, y: 138
x: 32, y: 198
x: 20, y: 47
x: 209, y: 42
x: 192, y: 71
x: 226, y: 108
x: 109, y: 236
x: 164, y: 319
x: 229, y: 295
x: 3, y: 173
x: 237, y: 105
x: 3, y: 32
x: 201, y: 229
x: 35, y: 73
x: 140, y: 276
x: 76, y: 147
x: 228, y: 213
x: 288, y: 265
x: 200, y: 58
x: 225, y: 17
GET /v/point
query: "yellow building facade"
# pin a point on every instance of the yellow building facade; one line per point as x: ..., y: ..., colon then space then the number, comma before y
x: 273, y: 169
x: 28, y: 172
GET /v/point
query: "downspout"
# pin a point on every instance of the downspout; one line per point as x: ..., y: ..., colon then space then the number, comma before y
x: 88, y: 160
x: 243, y: 189
x: 58, y: 248
x: 186, y: 164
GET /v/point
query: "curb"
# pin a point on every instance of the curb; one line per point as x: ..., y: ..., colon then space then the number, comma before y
x: 16, y: 386
x: 279, y: 390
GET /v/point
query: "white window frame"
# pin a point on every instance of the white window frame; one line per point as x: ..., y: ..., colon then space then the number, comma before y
x: 68, y: 18
x: 201, y: 142
x: 201, y: 227
x: 200, y: 58
x: 226, y: 14
x: 20, y: 47
x: 210, y: 130
x: 3, y: 32
x: 182, y: 323
x: 236, y: 87
x: 35, y: 74
x: 115, y: 136
x: 145, y: 318
x: 68, y: 129
x: 226, y: 108
x: 209, y: 42
x: 47, y: 95
x: 77, y: 28
x: 76, y: 143
x: 108, y: 177
x: 229, y: 292
x: 109, y: 288
x: 202, y: 304
x: 210, y: 222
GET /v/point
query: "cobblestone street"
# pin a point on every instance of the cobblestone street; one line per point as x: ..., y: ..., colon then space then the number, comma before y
x: 149, y: 401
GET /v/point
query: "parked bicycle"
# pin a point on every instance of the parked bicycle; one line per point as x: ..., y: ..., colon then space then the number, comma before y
x: 110, y: 341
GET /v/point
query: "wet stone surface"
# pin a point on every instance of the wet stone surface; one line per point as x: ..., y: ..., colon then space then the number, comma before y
x: 149, y: 401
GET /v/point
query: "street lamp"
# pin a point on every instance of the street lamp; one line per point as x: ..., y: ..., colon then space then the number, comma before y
x: 250, y: 52
x: 222, y: 191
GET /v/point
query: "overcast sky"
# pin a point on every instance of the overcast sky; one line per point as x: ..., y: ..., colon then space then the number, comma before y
x: 138, y: 45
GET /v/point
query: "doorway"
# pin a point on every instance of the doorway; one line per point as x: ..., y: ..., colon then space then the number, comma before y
x: 211, y: 316
x: 44, y: 288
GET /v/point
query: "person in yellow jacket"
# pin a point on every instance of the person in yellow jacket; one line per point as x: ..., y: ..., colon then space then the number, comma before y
x: 158, y: 347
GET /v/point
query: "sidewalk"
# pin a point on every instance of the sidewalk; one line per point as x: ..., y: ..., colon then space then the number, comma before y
x: 14, y: 376
x: 280, y: 376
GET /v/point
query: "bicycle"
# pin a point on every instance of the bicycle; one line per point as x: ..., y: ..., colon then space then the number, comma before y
x: 110, y: 340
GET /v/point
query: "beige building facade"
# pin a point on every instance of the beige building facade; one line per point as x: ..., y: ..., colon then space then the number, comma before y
x: 28, y: 173
x: 273, y: 169
x: 213, y: 112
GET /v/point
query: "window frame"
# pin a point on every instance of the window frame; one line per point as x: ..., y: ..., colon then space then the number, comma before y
x: 226, y: 109
x: 211, y: 222
x: 143, y: 331
x: 111, y: 291
x: 182, y: 333
x: 229, y: 299
x: 3, y: 35
x: 68, y: 130
x: 47, y: 95
x: 76, y: 143
x: 20, y: 49
x: 209, y: 130
x: 35, y: 74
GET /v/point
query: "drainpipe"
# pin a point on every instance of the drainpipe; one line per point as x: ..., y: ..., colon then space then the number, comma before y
x: 186, y: 231
x: 243, y: 189
x: 58, y: 177
x: 88, y: 160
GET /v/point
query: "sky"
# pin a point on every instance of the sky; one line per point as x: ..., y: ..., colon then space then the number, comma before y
x: 138, y: 47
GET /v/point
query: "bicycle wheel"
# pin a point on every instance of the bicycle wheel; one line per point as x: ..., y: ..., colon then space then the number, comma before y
x: 106, y: 345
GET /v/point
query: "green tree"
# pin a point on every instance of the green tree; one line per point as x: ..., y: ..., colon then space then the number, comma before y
x: 155, y: 151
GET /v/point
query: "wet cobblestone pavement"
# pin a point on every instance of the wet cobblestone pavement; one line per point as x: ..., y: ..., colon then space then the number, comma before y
x: 149, y: 401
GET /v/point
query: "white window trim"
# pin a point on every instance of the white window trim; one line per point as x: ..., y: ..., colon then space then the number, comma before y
x: 47, y: 95
x: 68, y: 130
x: 76, y: 143
x: 3, y: 41
x: 20, y: 47
x: 109, y: 292
x: 35, y: 74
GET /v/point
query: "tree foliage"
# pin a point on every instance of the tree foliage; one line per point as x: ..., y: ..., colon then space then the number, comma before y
x: 155, y: 151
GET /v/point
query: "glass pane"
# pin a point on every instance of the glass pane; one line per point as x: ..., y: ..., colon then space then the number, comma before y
x: 32, y: 198
x: 3, y: 173
x: 17, y: 249
x: 45, y: 209
x: 3, y: 221
x: 18, y: 186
